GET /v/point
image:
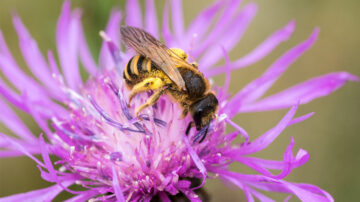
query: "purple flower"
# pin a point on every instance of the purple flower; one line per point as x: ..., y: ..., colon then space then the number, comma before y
x: 104, y: 148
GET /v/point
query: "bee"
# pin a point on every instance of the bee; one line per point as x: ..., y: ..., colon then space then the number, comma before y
x: 166, y: 71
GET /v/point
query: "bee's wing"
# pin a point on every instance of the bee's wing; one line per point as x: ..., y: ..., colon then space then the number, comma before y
x: 146, y: 45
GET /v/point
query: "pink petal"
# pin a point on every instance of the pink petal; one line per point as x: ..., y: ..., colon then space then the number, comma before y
x: 248, y: 194
x: 114, y: 51
x: 222, y: 25
x: 4, y: 50
x: 305, y: 92
x: 21, y: 148
x: 52, y: 62
x: 113, y: 31
x: 151, y: 24
x: 177, y: 19
x: 21, y: 81
x: 240, y: 129
x: 31, y: 91
x: 11, y: 154
x: 259, y: 52
x: 44, y: 108
x: 230, y: 38
x: 46, y: 158
x: 16, y: 76
x: 266, y: 139
x: 12, y: 150
x: 15, y: 124
x: 56, y: 75
x: 301, y: 118
x: 40, y: 120
x: 197, y: 161
x: 200, y: 25
x: 260, y: 196
x: 46, y: 194
x: 52, y: 175
x: 258, y: 87
x: 11, y: 96
x: 83, y: 197
x: 166, y: 33
x: 287, y: 198
x: 267, y: 46
x: 85, y: 55
x: 262, y: 166
x: 191, y: 196
x: 119, y: 194
x: 33, y: 56
x: 304, y: 193
x: 133, y: 17
x: 315, y: 189
x: 239, y: 184
x: 67, y: 41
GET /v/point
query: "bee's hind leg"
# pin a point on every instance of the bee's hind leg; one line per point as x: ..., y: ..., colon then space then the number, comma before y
x: 145, y: 85
x: 152, y: 100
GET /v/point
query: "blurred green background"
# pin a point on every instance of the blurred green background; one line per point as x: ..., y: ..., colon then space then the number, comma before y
x: 331, y: 136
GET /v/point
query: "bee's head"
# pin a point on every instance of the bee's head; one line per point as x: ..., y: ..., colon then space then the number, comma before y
x: 179, y: 52
x: 203, y: 111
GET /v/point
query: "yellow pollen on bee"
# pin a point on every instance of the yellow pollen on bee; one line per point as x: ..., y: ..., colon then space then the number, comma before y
x: 179, y: 52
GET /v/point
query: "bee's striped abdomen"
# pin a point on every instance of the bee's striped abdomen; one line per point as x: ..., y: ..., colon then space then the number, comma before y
x: 136, y: 69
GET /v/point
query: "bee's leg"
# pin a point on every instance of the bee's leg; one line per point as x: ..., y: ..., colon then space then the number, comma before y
x: 191, y: 124
x: 152, y: 100
x: 145, y: 85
